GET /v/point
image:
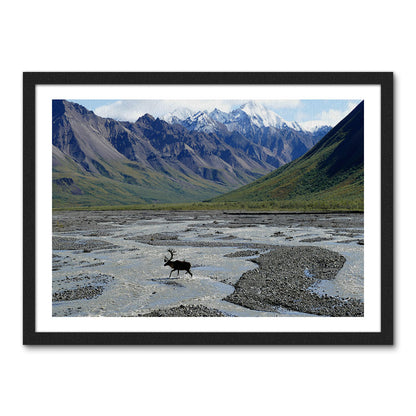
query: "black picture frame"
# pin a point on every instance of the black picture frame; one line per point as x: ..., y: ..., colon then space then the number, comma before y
x: 33, y: 79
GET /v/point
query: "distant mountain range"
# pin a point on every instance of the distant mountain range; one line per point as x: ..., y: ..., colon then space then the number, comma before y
x: 184, y: 157
x: 248, y: 119
x: 333, y: 170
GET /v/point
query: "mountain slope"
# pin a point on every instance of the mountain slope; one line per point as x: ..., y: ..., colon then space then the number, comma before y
x: 278, y: 141
x: 101, y: 161
x: 98, y: 161
x: 333, y: 170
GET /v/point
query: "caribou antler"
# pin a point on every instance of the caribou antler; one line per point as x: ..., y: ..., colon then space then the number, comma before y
x: 172, y: 253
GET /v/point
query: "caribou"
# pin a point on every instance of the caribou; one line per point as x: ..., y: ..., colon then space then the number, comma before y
x: 177, y: 264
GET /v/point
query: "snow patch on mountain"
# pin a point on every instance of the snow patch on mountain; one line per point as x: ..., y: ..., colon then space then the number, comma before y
x: 260, y: 116
x: 177, y: 115
x: 248, y: 114
x: 314, y: 125
x: 219, y: 115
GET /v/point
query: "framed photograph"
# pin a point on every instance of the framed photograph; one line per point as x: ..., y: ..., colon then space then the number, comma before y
x: 208, y: 208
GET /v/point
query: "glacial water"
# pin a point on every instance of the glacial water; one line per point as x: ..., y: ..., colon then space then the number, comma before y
x: 132, y: 279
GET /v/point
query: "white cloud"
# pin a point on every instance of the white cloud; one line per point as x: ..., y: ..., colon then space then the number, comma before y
x: 333, y: 117
x: 121, y: 110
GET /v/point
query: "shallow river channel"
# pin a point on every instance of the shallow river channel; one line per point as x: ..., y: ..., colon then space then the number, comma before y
x: 112, y: 263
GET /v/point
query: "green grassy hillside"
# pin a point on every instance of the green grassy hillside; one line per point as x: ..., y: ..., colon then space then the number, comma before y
x: 98, y: 161
x: 125, y: 183
x: 329, y: 176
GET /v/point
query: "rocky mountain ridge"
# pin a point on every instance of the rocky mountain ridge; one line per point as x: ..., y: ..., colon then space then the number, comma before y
x: 152, y: 160
x: 329, y: 174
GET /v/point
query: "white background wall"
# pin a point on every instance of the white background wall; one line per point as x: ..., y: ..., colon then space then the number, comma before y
x: 206, y: 36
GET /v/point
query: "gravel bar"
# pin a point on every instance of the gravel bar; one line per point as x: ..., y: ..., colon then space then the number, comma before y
x: 71, y: 243
x: 283, y: 280
x: 186, y: 311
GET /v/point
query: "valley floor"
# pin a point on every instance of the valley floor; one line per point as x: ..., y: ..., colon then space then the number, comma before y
x: 110, y: 263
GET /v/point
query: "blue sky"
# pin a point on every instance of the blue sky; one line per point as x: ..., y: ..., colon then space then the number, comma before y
x: 330, y: 111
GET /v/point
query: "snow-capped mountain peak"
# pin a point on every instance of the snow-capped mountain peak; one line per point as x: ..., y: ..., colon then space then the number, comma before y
x: 199, y: 115
x: 261, y: 116
x: 249, y: 114
x: 219, y: 115
x: 201, y: 121
x: 178, y: 114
